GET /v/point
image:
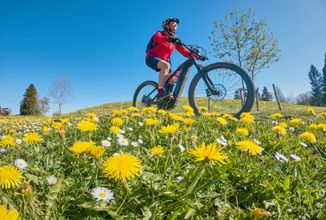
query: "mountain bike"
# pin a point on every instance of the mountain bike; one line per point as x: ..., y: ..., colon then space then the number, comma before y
x: 220, y: 87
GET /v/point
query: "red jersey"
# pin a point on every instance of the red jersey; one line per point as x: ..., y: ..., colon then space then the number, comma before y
x: 163, y: 49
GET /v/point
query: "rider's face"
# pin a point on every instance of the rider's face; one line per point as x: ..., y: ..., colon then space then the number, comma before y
x: 173, y: 26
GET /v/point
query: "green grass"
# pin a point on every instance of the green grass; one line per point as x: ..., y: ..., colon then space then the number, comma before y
x: 265, y: 108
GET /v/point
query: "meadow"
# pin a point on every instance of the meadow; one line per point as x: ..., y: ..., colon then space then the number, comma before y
x: 153, y: 164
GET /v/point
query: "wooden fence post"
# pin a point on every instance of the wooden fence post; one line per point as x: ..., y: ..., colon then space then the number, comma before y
x: 276, y: 97
x: 257, y: 99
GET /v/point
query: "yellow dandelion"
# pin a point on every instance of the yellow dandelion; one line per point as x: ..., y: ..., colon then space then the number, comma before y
x: 162, y: 112
x: 247, y: 119
x: 209, y: 153
x: 10, y: 177
x: 115, y: 130
x: 132, y: 109
x: 188, y: 108
x: 97, y: 151
x: 117, y: 122
x: 123, y: 167
x: 188, y: 121
x: 169, y: 129
x: 221, y: 121
x: 308, y: 137
x: 259, y: 213
x: 276, y: 115
x: 151, y: 121
x: 86, y: 126
x: 230, y: 117
x: 242, y: 132
x: 10, y: 214
x: 312, y: 126
x: 91, y: 116
x: 175, y: 117
x: 249, y: 146
x: 157, y: 150
x: 32, y: 138
x: 202, y: 109
x: 193, y: 138
x: 135, y: 114
x: 8, y: 141
x: 311, y: 111
x: 322, y: 127
x: 283, y: 124
x: 57, y: 126
x: 295, y: 122
x: 189, y: 114
x: 279, y: 130
x: 322, y: 114
x: 149, y: 110
x: 82, y: 146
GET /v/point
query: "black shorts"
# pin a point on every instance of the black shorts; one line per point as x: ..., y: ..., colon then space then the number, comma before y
x: 153, y: 61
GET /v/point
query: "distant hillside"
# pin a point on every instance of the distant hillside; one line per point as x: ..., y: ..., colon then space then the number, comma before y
x: 266, y: 108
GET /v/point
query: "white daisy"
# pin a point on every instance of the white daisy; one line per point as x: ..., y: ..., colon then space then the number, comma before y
x: 20, y: 164
x: 141, y: 123
x: 222, y: 141
x: 2, y: 150
x: 295, y: 157
x: 134, y: 144
x: 181, y: 147
x: 109, y: 138
x: 120, y: 135
x: 52, y: 180
x: 123, y: 141
x: 280, y: 157
x: 115, y: 154
x: 274, y: 123
x: 96, y: 119
x: 106, y: 143
x: 140, y: 141
x: 122, y: 131
x: 102, y: 193
x: 130, y: 129
x: 291, y: 129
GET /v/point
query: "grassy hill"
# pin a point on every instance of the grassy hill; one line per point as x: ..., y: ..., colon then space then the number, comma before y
x: 266, y: 108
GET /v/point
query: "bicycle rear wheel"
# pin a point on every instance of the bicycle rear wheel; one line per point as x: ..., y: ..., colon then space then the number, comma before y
x: 233, y: 90
x: 145, y: 94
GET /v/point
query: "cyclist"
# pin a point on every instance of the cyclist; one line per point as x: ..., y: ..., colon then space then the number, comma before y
x: 158, y: 54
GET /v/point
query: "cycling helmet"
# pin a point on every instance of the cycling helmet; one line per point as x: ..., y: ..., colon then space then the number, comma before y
x: 167, y: 21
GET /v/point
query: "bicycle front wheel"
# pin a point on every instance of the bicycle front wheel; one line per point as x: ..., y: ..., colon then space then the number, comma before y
x: 232, y: 90
x: 145, y: 94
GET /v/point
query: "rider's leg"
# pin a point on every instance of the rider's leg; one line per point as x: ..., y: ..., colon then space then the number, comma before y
x: 164, y: 68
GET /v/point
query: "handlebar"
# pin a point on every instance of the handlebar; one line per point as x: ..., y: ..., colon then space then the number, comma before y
x: 194, y: 50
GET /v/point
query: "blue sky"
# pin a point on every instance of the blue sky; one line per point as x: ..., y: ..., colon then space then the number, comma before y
x: 99, y: 45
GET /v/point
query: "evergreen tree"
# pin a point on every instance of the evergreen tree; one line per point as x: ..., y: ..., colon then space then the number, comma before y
x: 266, y: 95
x: 324, y: 82
x: 237, y: 94
x: 29, y: 105
x: 316, y: 83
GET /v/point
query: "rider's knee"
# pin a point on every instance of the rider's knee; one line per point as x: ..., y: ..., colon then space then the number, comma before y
x: 163, y: 65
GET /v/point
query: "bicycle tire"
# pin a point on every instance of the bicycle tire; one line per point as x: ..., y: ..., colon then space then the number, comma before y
x: 249, y: 100
x: 139, y: 89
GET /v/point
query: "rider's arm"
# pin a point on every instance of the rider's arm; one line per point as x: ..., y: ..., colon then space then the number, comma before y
x: 185, y: 52
x: 159, y: 37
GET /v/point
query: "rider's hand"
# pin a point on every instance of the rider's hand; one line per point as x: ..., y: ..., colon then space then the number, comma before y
x: 198, y: 57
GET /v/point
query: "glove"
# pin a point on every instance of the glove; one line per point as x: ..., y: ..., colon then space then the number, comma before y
x: 198, y: 57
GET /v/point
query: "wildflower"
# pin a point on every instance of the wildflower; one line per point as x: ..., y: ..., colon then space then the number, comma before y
x: 123, y: 141
x: 140, y: 141
x: 86, y: 126
x: 247, y: 119
x: 291, y: 129
x: 188, y: 108
x: 123, y: 166
x: 116, y: 122
x: 134, y: 144
x: 249, y: 146
x: 97, y: 151
x: 148, y: 110
x: 313, y: 126
x: 274, y: 123
x: 303, y: 144
x: 82, y: 146
x: 188, y: 121
x: 175, y: 117
x: 115, y: 130
x: 322, y: 114
x: 20, y: 164
x: 10, y: 214
x: 162, y: 112
x: 221, y: 121
x: 32, y: 138
x: 295, y: 157
x: 91, y: 116
x: 7, y: 141
x: 210, y: 153
x: 2, y: 150
x: 259, y: 213
x: 106, y: 143
x: 308, y: 137
x: 151, y: 121
x: 141, y: 124
x: 276, y: 115
x: 295, y: 122
x: 322, y: 127
x: 257, y: 141
x: 51, y: 180
x: 102, y: 193
x: 311, y: 111
x: 130, y: 129
x: 169, y: 129
x: 280, y: 157
x: 242, y: 132
x: 157, y: 150
x: 193, y: 138
x: 135, y: 114
x: 18, y: 141
x: 279, y: 130
x: 222, y: 141
x: 10, y: 177
x: 26, y: 189
x: 182, y: 148
x: 283, y: 124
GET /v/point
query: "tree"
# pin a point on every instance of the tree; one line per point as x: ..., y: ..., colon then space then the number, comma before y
x: 324, y: 81
x: 237, y: 94
x: 59, y: 92
x: 266, y: 95
x: 43, y: 105
x: 244, y: 40
x: 316, y: 83
x: 29, y: 104
x: 304, y: 98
